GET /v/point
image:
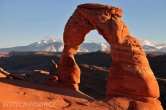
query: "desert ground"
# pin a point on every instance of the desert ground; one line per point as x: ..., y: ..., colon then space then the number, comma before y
x: 31, y: 92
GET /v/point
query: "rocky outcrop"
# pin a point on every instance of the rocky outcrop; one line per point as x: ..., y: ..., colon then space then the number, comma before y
x: 2, y: 75
x: 131, y: 84
x: 23, y: 95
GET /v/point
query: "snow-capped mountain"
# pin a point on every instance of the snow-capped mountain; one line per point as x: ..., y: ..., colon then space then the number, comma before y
x: 38, y: 46
x: 53, y: 45
x: 149, y: 46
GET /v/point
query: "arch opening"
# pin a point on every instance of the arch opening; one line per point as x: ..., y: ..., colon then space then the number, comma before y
x: 93, y: 42
x: 94, y: 73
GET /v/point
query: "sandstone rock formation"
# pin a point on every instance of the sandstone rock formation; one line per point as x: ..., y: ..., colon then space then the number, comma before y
x: 6, y: 74
x: 23, y: 95
x: 131, y: 84
x: 2, y: 75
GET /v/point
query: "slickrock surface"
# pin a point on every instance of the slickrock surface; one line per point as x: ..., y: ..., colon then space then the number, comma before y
x: 131, y: 84
x: 22, y: 95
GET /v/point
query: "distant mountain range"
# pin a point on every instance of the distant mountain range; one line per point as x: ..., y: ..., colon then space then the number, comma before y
x: 53, y: 45
x: 153, y: 46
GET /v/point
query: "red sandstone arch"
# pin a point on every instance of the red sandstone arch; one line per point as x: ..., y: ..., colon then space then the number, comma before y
x: 130, y: 73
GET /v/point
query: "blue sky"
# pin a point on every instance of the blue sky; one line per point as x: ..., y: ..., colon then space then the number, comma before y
x: 25, y: 21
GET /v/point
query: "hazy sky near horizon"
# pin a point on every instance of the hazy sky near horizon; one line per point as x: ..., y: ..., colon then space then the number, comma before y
x: 26, y: 21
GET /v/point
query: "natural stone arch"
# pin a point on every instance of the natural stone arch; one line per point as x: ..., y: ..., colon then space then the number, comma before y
x: 130, y: 74
x: 84, y: 19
